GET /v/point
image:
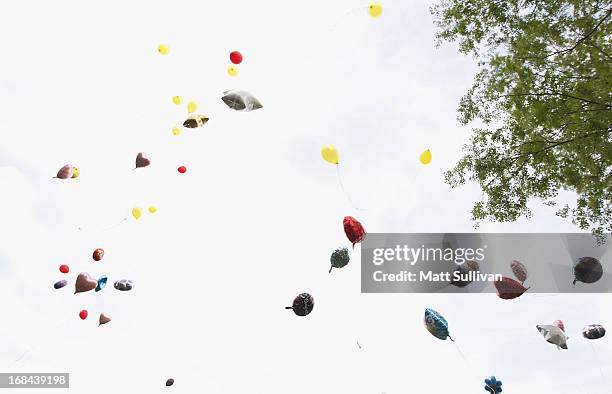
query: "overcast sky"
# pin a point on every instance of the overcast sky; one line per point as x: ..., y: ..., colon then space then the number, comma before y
x: 253, y: 221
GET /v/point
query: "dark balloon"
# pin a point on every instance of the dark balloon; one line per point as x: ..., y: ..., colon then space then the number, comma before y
x: 124, y: 285
x: 464, y: 269
x: 142, y: 160
x: 98, y: 254
x: 60, y: 284
x: 195, y: 121
x: 353, y: 230
x: 508, y: 288
x: 587, y: 270
x: 302, y: 304
x: 169, y: 382
x: 240, y: 100
x: 593, y: 331
x: 339, y: 258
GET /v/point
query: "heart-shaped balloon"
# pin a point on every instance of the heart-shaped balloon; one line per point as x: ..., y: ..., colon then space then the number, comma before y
x: 104, y: 318
x: 84, y: 282
x: 142, y: 160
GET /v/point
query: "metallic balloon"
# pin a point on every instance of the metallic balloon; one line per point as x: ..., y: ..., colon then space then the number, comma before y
x: 101, y: 283
x: 593, y: 331
x: 553, y: 334
x: 302, y: 304
x: 142, y: 160
x: 169, y: 382
x: 353, y: 230
x: 240, y: 100
x: 339, y: 258
x: 559, y: 324
x: 508, y: 288
x: 587, y: 270
x: 98, y: 254
x: 124, y: 285
x: 65, y: 172
x: 60, y: 284
x: 464, y: 269
x: 104, y: 318
x: 493, y: 386
x: 195, y: 121
x: 519, y: 270
x: 84, y: 282
x: 436, y: 324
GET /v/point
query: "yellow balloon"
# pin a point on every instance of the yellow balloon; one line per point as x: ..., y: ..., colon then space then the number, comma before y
x: 152, y: 209
x: 176, y: 130
x: 137, y: 213
x: 163, y: 49
x: 425, y: 157
x: 375, y: 10
x: 75, y: 172
x: 232, y: 71
x: 330, y: 154
x: 176, y: 100
x: 192, y: 107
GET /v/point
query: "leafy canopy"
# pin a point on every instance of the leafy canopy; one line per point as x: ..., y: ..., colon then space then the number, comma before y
x: 541, y: 103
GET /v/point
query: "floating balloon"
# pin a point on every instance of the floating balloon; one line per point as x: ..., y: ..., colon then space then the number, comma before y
x: 137, y: 213
x: 182, y: 169
x: 464, y: 269
x: 75, y: 173
x: 375, y: 10
x: 236, y: 57
x: 64, y: 269
x: 192, y: 106
x: 60, y: 284
x: 152, y: 209
x: 163, y: 49
x: 330, y: 154
x: 195, y: 121
x: 84, y: 283
x: 339, y: 258
x: 101, y: 283
x: 176, y: 130
x: 65, y: 172
x: 593, y: 331
x: 436, y: 324
x: 177, y: 100
x: 104, y: 318
x: 554, y: 335
x: 142, y: 160
x: 83, y: 314
x: 508, y: 288
x: 353, y: 230
x: 241, y: 100
x: 519, y: 270
x: 425, y: 157
x: 232, y: 71
x: 302, y: 304
x: 587, y: 270
x: 493, y: 386
x: 124, y: 285
x: 98, y: 254
x: 559, y: 323
x: 169, y: 382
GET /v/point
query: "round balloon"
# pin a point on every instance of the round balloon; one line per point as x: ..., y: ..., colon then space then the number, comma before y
x: 177, y: 100
x: 152, y: 209
x: 375, y: 10
x: 232, y: 71
x: 587, y: 270
x: 137, y: 213
x: 75, y: 172
x: 64, y: 269
x: 98, y: 254
x: 353, y: 230
x: 425, y: 157
x: 65, y: 172
x: 163, y: 49
x: 339, y: 258
x: 182, y: 169
x: 302, y: 304
x: 330, y: 154
x: 192, y: 106
x: 83, y: 314
x: 169, y: 382
x: 124, y: 285
x: 236, y: 57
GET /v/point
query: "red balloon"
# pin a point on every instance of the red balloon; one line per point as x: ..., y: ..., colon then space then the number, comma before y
x: 508, y: 288
x: 353, y: 230
x: 236, y: 57
x: 182, y: 169
x: 64, y: 269
x: 83, y: 314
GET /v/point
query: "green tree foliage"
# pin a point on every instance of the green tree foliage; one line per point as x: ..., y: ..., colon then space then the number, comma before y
x: 541, y: 105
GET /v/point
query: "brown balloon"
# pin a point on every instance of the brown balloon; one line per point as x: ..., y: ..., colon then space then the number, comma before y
x: 142, y: 160
x: 508, y: 288
x: 104, y: 318
x: 65, y: 172
x: 98, y: 254
x: 84, y: 282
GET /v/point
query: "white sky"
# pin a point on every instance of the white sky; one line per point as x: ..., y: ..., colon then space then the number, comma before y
x: 253, y: 221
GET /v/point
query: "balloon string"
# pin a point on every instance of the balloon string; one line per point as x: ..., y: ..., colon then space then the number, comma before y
x: 111, y: 226
x: 344, y: 190
x: 466, y: 362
